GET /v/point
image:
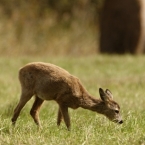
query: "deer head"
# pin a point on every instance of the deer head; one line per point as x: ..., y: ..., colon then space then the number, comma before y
x: 110, y: 108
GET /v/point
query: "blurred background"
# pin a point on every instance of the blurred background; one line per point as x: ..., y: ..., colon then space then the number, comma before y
x: 69, y: 27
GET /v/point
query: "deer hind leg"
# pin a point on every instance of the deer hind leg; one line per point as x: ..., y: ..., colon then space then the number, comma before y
x: 35, y: 110
x: 64, y: 112
x: 59, y: 117
x: 25, y: 97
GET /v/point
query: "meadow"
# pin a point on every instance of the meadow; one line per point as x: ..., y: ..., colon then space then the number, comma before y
x: 123, y: 75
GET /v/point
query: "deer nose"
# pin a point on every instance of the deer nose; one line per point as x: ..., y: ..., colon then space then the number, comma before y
x: 120, y: 122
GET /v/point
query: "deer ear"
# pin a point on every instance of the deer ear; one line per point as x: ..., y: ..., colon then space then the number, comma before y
x: 109, y: 93
x: 103, y: 95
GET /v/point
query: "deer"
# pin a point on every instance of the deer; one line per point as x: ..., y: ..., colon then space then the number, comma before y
x: 47, y: 81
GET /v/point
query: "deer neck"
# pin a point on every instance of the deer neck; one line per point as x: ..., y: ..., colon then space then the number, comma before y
x: 91, y: 103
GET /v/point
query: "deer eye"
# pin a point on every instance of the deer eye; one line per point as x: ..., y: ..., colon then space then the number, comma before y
x: 116, y: 111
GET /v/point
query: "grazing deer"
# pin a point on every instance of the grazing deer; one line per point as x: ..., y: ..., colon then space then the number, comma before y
x: 49, y: 82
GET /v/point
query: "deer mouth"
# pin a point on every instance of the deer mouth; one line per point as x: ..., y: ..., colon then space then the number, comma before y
x: 118, y: 121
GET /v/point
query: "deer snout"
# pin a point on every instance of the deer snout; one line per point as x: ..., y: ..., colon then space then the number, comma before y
x: 120, y: 122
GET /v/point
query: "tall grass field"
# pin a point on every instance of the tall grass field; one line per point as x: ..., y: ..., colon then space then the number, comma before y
x: 123, y: 75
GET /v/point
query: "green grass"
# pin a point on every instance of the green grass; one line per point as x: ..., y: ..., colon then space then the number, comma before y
x: 123, y: 75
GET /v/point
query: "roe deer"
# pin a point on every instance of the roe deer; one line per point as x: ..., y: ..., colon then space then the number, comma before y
x: 49, y: 82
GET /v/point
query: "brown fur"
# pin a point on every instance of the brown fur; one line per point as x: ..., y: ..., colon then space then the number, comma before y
x: 49, y: 82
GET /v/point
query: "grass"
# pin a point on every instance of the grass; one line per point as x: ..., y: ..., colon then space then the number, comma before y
x: 123, y: 75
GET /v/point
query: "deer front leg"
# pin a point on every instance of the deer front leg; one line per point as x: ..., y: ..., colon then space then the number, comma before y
x: 59, y: 117
x: 64, y: 112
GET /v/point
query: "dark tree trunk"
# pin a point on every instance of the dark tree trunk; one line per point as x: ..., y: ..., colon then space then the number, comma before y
x: 121, y: 27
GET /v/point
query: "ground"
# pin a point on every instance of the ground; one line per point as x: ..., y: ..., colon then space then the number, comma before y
x: 123, y: 75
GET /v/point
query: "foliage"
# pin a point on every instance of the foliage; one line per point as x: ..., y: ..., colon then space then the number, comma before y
x: 37, y: 9
x: 49, y: 26
x: 123, y: 75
